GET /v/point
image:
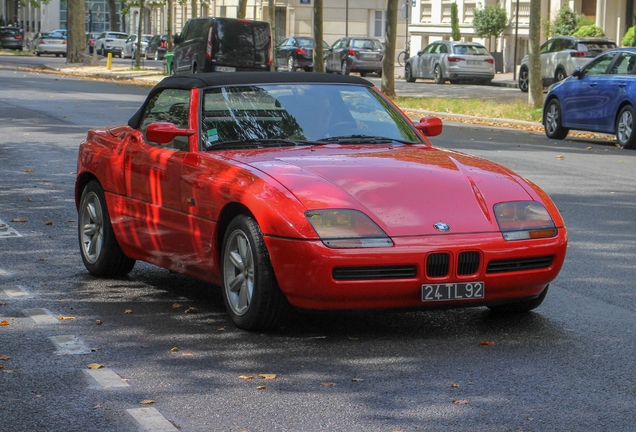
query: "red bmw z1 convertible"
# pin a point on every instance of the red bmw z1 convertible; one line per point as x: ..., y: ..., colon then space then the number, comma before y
x: 310, y: 191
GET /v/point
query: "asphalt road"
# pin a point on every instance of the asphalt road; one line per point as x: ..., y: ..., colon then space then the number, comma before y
x: 566, y: 366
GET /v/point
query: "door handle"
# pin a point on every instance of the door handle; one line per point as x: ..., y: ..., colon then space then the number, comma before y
x: 190, y: 200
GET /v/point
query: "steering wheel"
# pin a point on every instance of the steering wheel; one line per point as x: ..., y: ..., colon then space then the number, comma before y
x: 340, y: 126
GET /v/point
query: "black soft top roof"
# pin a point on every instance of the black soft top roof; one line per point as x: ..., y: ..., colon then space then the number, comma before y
x: 202, y: 80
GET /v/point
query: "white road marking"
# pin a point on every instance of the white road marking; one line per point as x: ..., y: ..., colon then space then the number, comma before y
x: 41, y: 316
x: 151, y: 420
x: 15, y: 292
x: 7, y: 231
x: 106, y: 378
x: 69, y: 344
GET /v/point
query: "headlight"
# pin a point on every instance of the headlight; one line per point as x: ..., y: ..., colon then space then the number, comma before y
x: 347, y: 229
x: 524, y: 220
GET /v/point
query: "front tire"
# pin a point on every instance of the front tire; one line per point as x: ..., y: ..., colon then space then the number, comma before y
x: 625, y: 128
x: 344, y: 70
x: 408, y: 74
x: 523, y: 80
x: 100, y: 250
x: 290, y: 64
x: 553, y: 121
x: 250, y: 292
x: 522, y: 306
x: 438, y: 76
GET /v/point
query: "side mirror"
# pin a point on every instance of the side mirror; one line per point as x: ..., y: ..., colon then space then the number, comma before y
x: 165, y: 132
x: 577, y: 72
x: 429, y: 126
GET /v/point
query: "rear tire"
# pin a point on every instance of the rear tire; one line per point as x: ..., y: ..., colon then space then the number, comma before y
x: 625, y: 128
x: 100, y: 250
x: 522, y: 306
x: 250, y: 292
x: 438, y: 76
x: 523, y: 80
x: 344, y: 70
x: 553, y: 121
x: 560, y: 75
x: 290, y: 64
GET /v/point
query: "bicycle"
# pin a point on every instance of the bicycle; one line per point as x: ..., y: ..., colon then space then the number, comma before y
x: 404, y: 55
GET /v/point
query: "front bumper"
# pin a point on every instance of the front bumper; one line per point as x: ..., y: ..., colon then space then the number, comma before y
x: 305, y: 271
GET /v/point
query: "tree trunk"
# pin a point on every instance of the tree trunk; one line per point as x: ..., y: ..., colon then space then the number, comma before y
x: 388, y: 63
x: 169, y: 27
x: 142, y: 6
x: 271, y: 7
x: 113, y: 22
x: 319, y: 55
x: 242, y: 9
x: 76, y: 31
x: 535, y: 93
x: 193, y: 4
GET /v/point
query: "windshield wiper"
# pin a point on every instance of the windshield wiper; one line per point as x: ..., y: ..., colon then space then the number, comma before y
x: 363, y: 139
x: 255, y: 143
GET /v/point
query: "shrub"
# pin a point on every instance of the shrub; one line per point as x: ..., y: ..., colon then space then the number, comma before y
x: 589, y: 31
x: 565, y: 23
x: 628, y: 39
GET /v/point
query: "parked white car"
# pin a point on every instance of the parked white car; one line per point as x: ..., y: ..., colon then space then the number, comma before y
x: 131, y: 45
x: 50, y: 43
x: 561, y: 55
x: 111, y: 42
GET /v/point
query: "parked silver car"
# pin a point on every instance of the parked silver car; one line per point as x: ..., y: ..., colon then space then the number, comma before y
x: 357, y: 54
x: 130, y: 47
x: 451, y: 61
x: 561, y: 55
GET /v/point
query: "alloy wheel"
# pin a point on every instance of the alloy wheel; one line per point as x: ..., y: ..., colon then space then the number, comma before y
x: 625, y: 127
x: 92, y: 223
x: 238, y: 268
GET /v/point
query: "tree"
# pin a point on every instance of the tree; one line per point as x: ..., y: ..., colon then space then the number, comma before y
x: 535, y: 93
x: 319, y: 56
x: 76, y: 31
x: 455, y: 34
x: 142, y: 6
x: 566, y: 22
x: 390, y: 37
x: 489, y: 21
x: 113, y: 22
x: 193, y: 4
x: 242, y: 9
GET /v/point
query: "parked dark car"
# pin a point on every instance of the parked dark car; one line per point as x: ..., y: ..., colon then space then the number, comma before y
x: 600, y: 97
x: 297, y: 53
x: 348, y: 54
x: 157, y: 47
x: 222, y: 45
x: 11, y: 38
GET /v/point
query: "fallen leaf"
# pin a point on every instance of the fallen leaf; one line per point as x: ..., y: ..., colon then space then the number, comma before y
x: 460, y: 401
x: 147, y: 402
x: 454, y: 385
x: 99, y: 322
x: 4, y: 357
x: 3, y: 304
x: 98, y: 406
x: 174, y: 349
x: 29, y: 170
x: 176, y: 305
x: 29, y: 200
x: 95, y: 366
x: 246, y: 377
x: 186, y: 355
x: 1, y: 366
x: 560, y: 157
x: 529, y: 418
x: 128, y: 311
x: 267, y: 376
x: 8, y: 371
x: 71, y: 220
x: 589, y: 148
x: 328, y: 384
x: 357, y: 379
x: 66, y: 318
x: 191, y: 310
x: 260, y: 388
x: 48, y: 223
x: 4, y: 323
x: 352, y: 338
x: 18, y: 220
x: 221, y: 329
x: 483, y: 342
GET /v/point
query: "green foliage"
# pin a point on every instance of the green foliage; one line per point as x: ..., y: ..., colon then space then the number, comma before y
x: 566, y: 22
x: 630, y: 37
x: 490, y: 20
x: 2, y: 24
x: 589, y: 31
x: 455, y: 34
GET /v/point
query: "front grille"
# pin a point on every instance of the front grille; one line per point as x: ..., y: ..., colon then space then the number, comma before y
x: 437, y: 265
x: 467, y: 263
x: 519, y: 264
x: 365, y: 273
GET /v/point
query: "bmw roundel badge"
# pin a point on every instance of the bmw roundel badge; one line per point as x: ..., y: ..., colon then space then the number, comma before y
x: 441, y: 226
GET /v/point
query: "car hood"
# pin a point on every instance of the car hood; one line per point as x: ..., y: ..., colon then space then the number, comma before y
x: 405, y: 189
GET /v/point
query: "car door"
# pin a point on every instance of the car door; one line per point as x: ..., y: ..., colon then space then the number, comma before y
x: 153, y: 176
x: 423, y: 69
x: 330, y: 56
x: 588, y: 101
x: 547, y: 53
x: 128, y: 45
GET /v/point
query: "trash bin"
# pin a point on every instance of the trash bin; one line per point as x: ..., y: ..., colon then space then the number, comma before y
x: 168, y: 59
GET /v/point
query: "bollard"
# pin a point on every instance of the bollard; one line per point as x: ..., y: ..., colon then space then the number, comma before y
x: 109, y: 61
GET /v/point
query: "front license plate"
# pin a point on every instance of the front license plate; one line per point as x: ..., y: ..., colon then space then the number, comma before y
x: 225, y: 69
x: 453, y: 291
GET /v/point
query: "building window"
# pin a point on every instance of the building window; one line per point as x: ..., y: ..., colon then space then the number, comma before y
x: 379, y: 24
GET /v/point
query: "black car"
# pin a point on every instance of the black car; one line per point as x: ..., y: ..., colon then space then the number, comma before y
x: 222, y: 45
x: 349, y: 54
x: 11, y: 38
x: 297, y: 53
x: 157, y: 47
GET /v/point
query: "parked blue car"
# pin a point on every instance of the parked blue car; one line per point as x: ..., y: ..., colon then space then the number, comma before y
x: 599, y: 97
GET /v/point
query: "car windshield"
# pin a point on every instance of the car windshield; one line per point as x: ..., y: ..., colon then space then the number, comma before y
x: 470, y: 50
x: 595, y: 47
x: 308, y: 43
x: 302, y: 114
x: 117, y: 35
